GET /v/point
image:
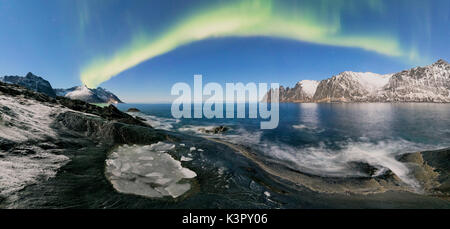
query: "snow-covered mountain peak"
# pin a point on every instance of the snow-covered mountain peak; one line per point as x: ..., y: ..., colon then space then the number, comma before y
x: 84, y: 93
x: 309, y: 86
x: 80, y: 92
x: 370, y: 81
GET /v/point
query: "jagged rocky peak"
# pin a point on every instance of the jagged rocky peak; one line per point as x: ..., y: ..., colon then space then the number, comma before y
x: 83, y: 93
x: 106, y: 95
x: 350, y: 86
x: 32, y: 76
x: 421, y: 84
x: 302, y: 92
x: 31, y: 82
x: 442, y: 62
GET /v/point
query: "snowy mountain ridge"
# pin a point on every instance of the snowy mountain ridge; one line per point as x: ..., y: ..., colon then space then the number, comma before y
x: 83, y: 93
x: 421, y: 84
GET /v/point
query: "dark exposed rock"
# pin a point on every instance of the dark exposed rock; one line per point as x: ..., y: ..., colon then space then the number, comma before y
x: 140, y: 119
x: 133, y: 110
x: 6, y: 144
x: 363, y: 167
x: 215, y: 130
x: 432, y: 170
x: 23, y: 151
x: 113, y: 132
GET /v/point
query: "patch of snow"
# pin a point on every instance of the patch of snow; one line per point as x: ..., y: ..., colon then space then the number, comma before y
x: 16, y: 172
x: 23, y: 119
x: 183, y: 158
x: 80, y: 92
x: 372, y: 82
x: 309, y: 87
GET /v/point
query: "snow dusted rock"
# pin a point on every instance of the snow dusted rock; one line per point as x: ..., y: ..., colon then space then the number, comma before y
x: 302, y: 92
x: 31, y: 82
x: 32, y: 149
x: 350, y: 87
x: 106, y: 95
x: 23, y: 122
x: 421, y: 84
x: 83, y: 93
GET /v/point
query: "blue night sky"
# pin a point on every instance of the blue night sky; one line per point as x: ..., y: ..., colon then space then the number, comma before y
x: 138, y: 49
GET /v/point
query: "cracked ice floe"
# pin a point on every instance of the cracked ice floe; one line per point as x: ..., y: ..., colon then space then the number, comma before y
x: 148, y: 171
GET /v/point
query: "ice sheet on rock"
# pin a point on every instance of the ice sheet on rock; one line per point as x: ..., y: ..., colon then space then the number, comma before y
x: 23, y: 119
x: 16, y: 172
x: 148, y: 171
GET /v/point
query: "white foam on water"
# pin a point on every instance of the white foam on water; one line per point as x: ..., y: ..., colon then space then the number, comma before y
x: 324, y: 161
x: 157, y: 122
x: 300, y: 126
x: 196, y: 129
x: 331, y: 162
x: 328, y: 161
x: 148, y: 171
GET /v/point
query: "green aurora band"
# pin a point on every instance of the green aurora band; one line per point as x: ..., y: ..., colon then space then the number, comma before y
x: 243, y: 19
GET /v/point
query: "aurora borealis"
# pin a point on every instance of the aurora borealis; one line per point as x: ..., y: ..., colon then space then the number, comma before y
x: 244, y: 19
x: 124, y: 45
